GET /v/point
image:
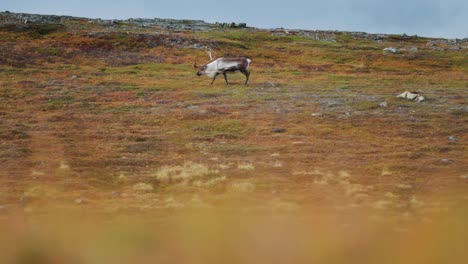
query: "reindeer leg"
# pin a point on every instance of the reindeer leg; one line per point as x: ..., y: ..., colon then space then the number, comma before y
x: 225, y: 78
x: 214, y: 78
x: 247, y: 75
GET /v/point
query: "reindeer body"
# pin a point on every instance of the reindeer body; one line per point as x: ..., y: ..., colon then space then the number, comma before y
x: 223, y: 66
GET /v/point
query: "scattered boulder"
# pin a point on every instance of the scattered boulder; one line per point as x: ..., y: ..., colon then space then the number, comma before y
x: 278, y: 130
x: 460, y: 108
x: 383, y: 104
x: 203, y: 112
x: 412, y: 96
x: 446, y: 44
x: 319, y: 35
x: 391, y: 50
x: 330, y: 103
x: 430, y: 44
x: 453, y: 139
x: 316, y: 114
x: 446, y: 161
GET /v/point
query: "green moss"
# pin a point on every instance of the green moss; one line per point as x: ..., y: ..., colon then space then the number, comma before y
x: 13, y: 134
x: 365, y: 105
x: 233, y: 149
x: 143, y: 146
x: 229, y: 129
x: 48, y: 51
x: 34, y: 30
x: 122, y: 108
x: 58, y: 102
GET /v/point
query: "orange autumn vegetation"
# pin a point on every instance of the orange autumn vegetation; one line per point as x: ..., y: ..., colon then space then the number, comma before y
x: 112, y: 150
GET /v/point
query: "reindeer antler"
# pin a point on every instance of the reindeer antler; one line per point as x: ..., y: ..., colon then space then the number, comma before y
x: 209, y: 51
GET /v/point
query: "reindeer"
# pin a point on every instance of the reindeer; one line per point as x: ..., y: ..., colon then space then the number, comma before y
x: 218, y: 66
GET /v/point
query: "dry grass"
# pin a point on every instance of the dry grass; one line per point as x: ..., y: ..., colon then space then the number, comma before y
x: 133, y: 134
x: 243, y: 186
x: 186, y: 173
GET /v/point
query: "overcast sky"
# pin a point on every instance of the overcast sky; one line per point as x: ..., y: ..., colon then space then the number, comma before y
x: 436, y: 18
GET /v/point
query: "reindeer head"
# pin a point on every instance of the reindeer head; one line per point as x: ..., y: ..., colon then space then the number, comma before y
x: 202, y: 69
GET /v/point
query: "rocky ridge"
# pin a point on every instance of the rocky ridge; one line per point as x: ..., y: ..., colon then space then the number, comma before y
x: 181, y: 25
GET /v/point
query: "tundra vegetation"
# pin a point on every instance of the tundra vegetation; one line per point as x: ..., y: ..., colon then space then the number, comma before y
x: 113, y: 151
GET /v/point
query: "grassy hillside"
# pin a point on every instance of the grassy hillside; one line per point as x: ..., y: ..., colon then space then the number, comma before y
x: 109, y: 124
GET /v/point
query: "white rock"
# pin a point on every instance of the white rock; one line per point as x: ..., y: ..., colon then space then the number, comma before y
x: 411, y: 96
x: 391, y: 49
x: 447, y: 161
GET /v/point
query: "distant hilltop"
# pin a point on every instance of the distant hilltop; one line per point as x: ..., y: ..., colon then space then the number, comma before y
x: 181, y: 25
x: 169, y: 24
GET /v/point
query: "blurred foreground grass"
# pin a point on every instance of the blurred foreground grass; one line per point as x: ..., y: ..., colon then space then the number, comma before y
x: 221, y: 236
x: 112, y: 151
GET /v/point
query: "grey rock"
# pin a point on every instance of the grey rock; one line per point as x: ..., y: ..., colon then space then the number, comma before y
x: 192, y: 107
x: 412, y: 96
x: 332, y: 102
x: 278, y: 130
x: 447, y: 161
x: 450, y: 44
x: 383, y: 104
x: 203, y: 112
x: 319, y: 35
x: 391, y: 50
x: 453, y: 139
x: 316, y: 114
x: 460, y: 108
x: 430, y: 44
